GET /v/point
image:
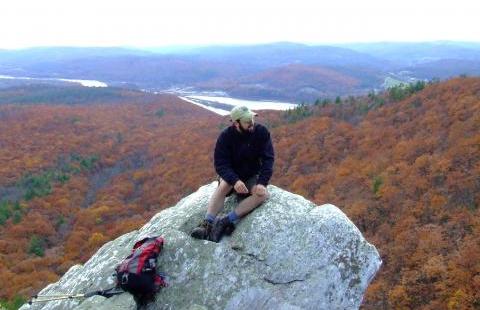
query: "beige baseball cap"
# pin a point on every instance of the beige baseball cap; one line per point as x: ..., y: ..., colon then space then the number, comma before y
x: 242, y: 113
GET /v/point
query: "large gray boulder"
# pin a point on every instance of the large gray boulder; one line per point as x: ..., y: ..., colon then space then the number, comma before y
x: 287, y: 254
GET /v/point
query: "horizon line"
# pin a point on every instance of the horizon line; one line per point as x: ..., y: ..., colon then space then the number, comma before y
x: 203, y: 45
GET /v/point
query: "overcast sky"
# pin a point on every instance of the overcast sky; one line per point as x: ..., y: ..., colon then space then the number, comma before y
x: 180, y: 22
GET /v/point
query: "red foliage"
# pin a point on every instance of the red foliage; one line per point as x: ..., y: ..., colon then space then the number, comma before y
x: 405, y: 173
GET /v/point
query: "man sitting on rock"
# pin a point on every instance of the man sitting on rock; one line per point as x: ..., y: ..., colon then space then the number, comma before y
x: 243, y: 159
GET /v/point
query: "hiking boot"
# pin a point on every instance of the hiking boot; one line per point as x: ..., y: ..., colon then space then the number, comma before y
x: 229, y: 229
x: 203, y: 231
x: 221, y: 227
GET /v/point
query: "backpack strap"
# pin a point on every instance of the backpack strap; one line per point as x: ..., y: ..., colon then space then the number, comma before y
x: 143, y: 256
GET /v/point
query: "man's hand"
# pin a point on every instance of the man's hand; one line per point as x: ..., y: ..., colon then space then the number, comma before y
x: 260, y: 190
x: 240, y: 187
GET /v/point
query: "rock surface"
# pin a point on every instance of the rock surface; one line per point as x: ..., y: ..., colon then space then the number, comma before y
x: 287, y: 254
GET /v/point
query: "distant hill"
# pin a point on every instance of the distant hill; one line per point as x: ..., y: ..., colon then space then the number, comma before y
x: 407, y: 54
x: 295, y: 81
x: 427, y: 60
x: 445, y: 68
x: 248, y: 71
x: 37, y: 55
x: 68, y: 95
x: 280, y: 54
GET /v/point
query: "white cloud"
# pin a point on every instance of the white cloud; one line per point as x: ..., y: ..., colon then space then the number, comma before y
x: 156, y: 23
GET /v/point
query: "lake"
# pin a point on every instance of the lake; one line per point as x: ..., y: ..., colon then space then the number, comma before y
x: 223, y: 105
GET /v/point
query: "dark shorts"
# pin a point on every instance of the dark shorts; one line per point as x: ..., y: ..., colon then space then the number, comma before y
x: 249, y: 183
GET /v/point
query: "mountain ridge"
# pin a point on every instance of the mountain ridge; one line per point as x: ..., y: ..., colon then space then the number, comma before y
x: 227, y: 67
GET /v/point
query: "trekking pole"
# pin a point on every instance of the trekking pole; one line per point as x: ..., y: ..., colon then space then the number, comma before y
x: 45, y: 298
x: 105, y: 293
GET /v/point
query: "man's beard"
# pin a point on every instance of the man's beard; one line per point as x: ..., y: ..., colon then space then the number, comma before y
x: 245, y: 131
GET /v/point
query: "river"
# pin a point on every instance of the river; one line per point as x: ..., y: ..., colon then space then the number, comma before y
x: 222, y: 105
x: 217, y: 104
x: 86, y: 83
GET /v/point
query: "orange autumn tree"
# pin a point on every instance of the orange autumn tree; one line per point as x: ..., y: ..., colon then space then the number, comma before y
x: 405, y: 171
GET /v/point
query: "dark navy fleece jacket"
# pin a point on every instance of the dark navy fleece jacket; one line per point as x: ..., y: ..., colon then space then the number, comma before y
x: 239, y: 156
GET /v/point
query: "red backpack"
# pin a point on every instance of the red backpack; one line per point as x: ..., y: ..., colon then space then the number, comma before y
x: 137, y: 273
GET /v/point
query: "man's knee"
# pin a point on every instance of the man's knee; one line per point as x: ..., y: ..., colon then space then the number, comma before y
x: 223, y: 187
x: 261, y: 198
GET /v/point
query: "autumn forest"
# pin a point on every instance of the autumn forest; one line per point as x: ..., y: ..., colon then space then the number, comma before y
x: 404, y: 165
